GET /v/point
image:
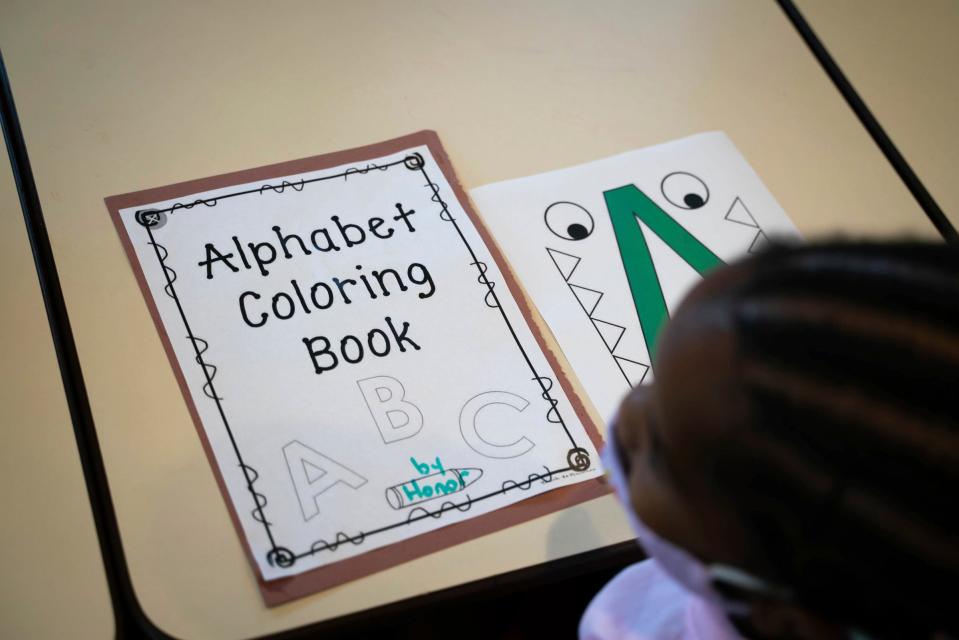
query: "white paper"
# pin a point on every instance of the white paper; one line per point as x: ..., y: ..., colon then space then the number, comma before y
x: 580, y: 285
x: 326, y: 458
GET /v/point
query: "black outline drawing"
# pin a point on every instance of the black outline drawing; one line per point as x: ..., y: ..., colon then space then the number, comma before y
x: 589, y: 314
x: 662, y: 190
x: 281, y: 556
x: 589, y: 232
x: 620, y: 359
x: 619, y: 336
x: 592, y: 307
x: 760, y: 240
x: 402, y: 400
x: 207, y: 387
x: 418, y: 513
x: 304, y: 462
x: 480, y: 436
x: 545, y: 478
x: 259, y: 500
x: 489, y: 298
x: 282, y: 187
x: 566, y: 276
x: 578, y: 459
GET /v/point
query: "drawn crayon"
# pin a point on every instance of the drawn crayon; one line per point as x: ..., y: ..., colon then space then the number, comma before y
x: 435, y: 485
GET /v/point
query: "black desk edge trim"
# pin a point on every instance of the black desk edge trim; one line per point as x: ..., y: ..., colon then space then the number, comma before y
x: 878, y: 134
x: 130, y: 619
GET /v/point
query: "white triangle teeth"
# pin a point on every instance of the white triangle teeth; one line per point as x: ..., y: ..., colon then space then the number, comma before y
x: 740, y: 214
x: 565, y: 263
x: 610, y: 332
x: 588, y: 298
x: 635, y: 372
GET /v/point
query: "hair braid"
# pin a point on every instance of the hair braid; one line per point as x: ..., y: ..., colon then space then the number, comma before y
x: 849, y: 470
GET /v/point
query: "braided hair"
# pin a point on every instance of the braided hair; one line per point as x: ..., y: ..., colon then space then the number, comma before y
x: 847, y: 472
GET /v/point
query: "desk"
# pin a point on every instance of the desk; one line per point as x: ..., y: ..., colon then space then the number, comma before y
x: 53, y: 582
x: 119, y: 96
x: 902, y: 58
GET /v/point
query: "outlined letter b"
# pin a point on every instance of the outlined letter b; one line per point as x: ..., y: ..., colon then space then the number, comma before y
x: 395, y: 417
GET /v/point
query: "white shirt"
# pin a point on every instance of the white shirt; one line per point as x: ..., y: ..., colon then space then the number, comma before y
x: 643, y: 603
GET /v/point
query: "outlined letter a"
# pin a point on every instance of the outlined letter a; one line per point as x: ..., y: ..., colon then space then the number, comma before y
x: 313, y: 473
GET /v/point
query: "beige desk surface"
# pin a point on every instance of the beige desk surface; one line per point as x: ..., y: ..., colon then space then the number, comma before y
x: 53, y: 583
x: 120, y: 96
x: 903, y: 59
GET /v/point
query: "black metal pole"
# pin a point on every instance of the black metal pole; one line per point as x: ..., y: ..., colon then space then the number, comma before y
x: 128, y: 617
x: 885, y: 144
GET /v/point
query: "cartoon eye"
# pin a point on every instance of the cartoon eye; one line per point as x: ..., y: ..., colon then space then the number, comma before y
x: 685, y: 190
x: 569, y: 221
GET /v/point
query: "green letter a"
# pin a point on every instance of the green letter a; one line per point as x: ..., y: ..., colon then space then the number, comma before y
x: 627, y: 206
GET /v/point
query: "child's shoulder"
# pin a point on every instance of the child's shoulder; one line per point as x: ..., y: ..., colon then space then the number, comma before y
x: 640, y: 603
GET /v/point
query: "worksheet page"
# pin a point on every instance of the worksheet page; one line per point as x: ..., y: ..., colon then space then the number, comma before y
x: 358, y: 364
x: 608, y: 249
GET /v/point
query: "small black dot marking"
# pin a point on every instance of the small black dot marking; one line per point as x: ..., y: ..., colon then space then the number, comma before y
x: 577, y: 231
x: 693, y: 200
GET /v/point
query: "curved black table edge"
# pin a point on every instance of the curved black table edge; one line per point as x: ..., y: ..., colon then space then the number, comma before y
x: 130, y: 619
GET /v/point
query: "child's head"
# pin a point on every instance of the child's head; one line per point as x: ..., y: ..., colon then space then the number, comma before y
x: 803, y: 427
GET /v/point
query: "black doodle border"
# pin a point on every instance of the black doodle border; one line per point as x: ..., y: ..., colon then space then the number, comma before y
x: 577, y: 458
